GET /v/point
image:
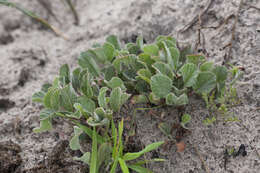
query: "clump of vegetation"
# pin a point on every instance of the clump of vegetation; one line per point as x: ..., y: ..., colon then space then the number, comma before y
x: 92, y: 95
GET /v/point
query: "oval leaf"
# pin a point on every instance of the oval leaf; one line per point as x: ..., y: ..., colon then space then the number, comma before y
x: 161, y: 85
x: 206, y: 82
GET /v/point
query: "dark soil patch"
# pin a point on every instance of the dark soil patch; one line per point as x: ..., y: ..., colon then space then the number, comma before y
x: 10, y: 160
x: 6, y: 39
x: 6, y: 104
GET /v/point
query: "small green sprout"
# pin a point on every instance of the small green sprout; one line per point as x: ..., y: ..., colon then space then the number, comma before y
x: 185, y: 119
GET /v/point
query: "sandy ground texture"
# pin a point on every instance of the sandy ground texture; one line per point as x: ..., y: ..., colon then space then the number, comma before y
x: 30, y: 56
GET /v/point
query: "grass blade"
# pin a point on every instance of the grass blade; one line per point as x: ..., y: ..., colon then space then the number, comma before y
x: 34, y: 16
x: 123, y: 166
x: 139, y: 169
x: 148, y: 148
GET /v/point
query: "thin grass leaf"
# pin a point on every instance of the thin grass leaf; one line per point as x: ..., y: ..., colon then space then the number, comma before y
x: 114, y: 137
x: 34, y: 16
x: 139, y: 169
x: 123, y: 166
x: 148, y: 148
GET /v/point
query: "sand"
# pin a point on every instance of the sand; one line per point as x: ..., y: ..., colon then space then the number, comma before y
x: 30, y: 55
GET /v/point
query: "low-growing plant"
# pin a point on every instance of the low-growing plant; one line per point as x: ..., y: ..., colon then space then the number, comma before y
x: 92, y: 95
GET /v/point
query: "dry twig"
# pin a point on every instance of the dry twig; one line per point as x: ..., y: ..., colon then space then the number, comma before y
x: 196, y: 18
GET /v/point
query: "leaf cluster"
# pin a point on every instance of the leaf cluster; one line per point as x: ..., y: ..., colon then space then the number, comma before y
x: 108, y: 75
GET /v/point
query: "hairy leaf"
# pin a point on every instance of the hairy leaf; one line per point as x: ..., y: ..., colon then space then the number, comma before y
x: 161, y: 85
x: 207, y: 66
x: 163, y: 68
x: 114, y: 41
x: 45, y: 125
x: 85, y: 158
x: 195, y: 59
x: 115, y: 99
x: 64, y: 74
x: 68, y: 98
x: 102, y: 101
x: 74, y: 142
x: 145, y: 75
x: 151, y: 49
x: 206, y: 82
x: 172, y: 99
x: 189, y: 73
x: 86, y: 60
x: 116, y: 82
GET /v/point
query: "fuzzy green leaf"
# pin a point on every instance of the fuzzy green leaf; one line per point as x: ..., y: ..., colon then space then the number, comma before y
x: 85, y: 158
x: 206, y: 82
x: 75, y: 79
x: 86, y: 85
x: 114, y: 41
x: 175, y: 54
x: 153, y: 99
x: 189, y: 73
x: 195, y: 59
x: 109, y: 51
x: 51, y: 98
x: 74, y: 142
x: 151, y: 49
x: 109, y: 72
x: 115, y: 99
x: 207, y: 66
x: 87, y: 104
x: 65, y: 74
x: 102, y: 101
x: 161, y: 85
x: 139, y: 99
x: 100, y: 55
x: 116, y: 82
x: 145, y: 75
x: 172, y: 99
x: 163, y: 68
x: 86, y: 60
x: 45, y: 125
x: 170, y: 42
x: 132, y: 48
x: 146, y: 58
x: 185, y: 119
x: 124, y: 98
x: 68, y: 98
x: 221, y: 73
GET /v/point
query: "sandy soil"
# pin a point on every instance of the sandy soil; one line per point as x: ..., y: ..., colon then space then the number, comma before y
x: 30, y: 56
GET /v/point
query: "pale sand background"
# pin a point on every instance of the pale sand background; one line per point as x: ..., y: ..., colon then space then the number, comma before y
x: 36, y: 55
